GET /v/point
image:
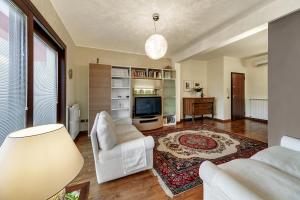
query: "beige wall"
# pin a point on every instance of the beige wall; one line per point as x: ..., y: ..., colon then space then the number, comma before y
x: 193, y: 70
x: 46, y: 9
x: 215, y: 84
x: 83, y: 56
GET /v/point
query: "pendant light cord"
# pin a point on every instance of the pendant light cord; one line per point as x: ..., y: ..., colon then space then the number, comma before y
x: 154, y: 26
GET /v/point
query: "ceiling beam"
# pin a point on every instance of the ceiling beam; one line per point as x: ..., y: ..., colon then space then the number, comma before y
x: 246, y: 26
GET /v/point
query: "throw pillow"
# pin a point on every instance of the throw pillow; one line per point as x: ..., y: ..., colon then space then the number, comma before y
x: 106, y: 134
x: 109, y: 118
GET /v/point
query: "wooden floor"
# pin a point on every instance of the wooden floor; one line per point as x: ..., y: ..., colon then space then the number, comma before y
x: 144, y: 185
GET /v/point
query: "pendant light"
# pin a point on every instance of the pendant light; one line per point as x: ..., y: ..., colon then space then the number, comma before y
x: 156, y: 45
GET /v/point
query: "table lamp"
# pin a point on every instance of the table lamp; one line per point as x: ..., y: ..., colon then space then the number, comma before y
x: 37, y: 163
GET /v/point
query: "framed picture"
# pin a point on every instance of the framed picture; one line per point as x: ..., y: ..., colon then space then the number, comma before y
x: 187, y: 86
x: 78, y: 191
x: 196, y: 84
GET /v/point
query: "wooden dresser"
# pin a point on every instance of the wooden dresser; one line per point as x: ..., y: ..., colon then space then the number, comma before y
x: 198, y: 106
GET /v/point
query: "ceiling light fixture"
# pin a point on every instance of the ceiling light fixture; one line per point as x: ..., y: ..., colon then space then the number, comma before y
x: 156, y: 45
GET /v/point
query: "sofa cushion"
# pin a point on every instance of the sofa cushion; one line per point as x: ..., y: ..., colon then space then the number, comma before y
x: 108, y: 118
x: 106, y: 134
x: 282, y: 158
x: 116, y: 152
x: 267, y: 182
x: 129, y: 136
x: 125, y: 128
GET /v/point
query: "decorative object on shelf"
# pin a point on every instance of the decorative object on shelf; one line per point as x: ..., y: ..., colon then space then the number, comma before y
x: 39, y: 156
x: 170, y: 120
x: 97, y: 61
x: 119, y: 72
x: 78, y: 191
x: 156, y: 45
x: 154, y: 73
x: 138, y: 73
x: 187, y: 86
x: 145, y: 91
x: 169, y: 74
x: 168, y: 67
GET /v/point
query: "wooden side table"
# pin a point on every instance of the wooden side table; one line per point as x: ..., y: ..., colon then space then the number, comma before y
x: 83, y: 188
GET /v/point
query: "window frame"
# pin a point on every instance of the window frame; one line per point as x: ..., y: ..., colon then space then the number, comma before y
x: 37, y: 24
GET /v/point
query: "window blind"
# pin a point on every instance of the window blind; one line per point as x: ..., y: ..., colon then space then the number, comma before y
x: 45, y: 83
x: 12, y: 69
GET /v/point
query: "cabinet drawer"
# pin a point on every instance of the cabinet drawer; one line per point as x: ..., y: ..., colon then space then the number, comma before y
x: 202, y: 112
x: 203, y: 106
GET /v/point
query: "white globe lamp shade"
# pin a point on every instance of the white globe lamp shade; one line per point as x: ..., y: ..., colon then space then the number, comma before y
x: 156, y: 46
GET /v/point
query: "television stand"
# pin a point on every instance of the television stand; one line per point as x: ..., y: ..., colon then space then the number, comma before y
x: 146, y: 123
x: 147, y: 116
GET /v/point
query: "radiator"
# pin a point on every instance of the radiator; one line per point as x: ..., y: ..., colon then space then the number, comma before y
x: 258, y: 108
x: 73, y: 120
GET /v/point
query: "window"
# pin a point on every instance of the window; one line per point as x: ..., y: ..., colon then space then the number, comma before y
x: 32, y: 69
x: 12, y: 69
x: 45, y: 83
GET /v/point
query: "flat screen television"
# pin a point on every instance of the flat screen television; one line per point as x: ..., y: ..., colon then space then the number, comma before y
x: 147, y: 106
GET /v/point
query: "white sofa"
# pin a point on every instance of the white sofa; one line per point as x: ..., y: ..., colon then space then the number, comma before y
x: 271, y: 174
x: 109, y: 163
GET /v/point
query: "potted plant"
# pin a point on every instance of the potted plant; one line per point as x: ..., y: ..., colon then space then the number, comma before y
x: 198, y: 90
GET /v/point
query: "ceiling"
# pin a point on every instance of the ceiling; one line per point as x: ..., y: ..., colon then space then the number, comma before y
x: 253, y: 45
x: 124, y: 25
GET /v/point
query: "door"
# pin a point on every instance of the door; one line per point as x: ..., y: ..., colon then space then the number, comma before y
x: 237, y: 96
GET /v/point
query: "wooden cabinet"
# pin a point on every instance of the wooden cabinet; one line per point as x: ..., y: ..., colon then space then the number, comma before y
x: 99, y: 90
x: 198, y: 106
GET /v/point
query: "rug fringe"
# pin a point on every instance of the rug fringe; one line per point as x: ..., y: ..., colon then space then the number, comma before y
x: 163, y: 185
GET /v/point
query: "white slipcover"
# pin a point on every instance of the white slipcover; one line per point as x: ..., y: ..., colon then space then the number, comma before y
x: 108, y: 163
x: 270, y: 174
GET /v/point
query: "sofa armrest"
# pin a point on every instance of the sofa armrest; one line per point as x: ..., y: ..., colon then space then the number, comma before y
x: 290, y: 143
x: 121, y: 121
x: 220, y: 180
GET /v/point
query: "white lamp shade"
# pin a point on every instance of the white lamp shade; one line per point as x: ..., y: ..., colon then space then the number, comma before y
x: 156, y: 46
x: 38, y: 162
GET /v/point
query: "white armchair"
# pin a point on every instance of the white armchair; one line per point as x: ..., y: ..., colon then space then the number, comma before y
x: 110, y: 164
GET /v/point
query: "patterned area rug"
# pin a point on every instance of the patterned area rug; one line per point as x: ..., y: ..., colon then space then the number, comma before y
x: 178, y: 154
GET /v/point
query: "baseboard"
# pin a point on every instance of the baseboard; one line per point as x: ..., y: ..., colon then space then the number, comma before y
x: 196, y: 118
x: 257, y: 120
x: 221, y: 120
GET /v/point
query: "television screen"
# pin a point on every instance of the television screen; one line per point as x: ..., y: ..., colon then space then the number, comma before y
x: 147, y: 106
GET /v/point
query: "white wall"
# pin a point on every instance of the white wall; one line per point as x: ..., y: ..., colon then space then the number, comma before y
x: 215, y: 84
x: 219, y: 83
x: 257, y: 80
x: 193, y: 70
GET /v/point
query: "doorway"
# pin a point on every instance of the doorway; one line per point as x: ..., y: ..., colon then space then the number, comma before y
x: 237, y: 96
